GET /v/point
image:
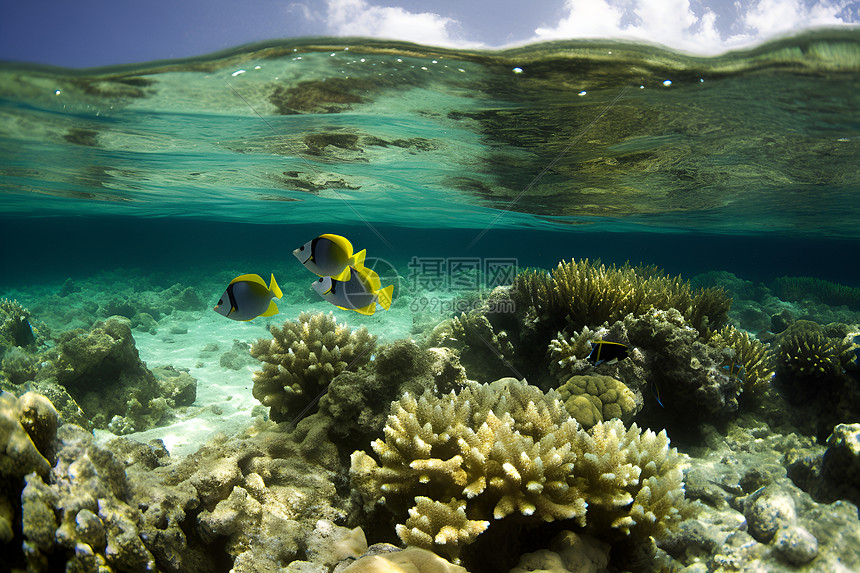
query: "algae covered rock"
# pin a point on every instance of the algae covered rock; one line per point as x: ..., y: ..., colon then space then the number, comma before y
x: 28, y: 426
x: 840, y: 466
x: 103, y: 374
x: 302, y: 358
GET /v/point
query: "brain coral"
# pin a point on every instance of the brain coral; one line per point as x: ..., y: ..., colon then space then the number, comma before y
x: 302, y: 358
x: 506, y: 448
x: 596, y: 398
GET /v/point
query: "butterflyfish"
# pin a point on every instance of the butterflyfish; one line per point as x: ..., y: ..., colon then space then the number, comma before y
x: 248, y: 297
x: 360, y: 293
x: 330, y: 256
x: 605, y: 351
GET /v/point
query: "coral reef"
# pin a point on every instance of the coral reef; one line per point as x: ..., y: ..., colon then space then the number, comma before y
x: 102, y: 372
x: 750, y: 354
x: 677, y: 377
x: 247, y: 504
x: 596, y: 398
x: 485, y: 353
x: 816, y: 374
x: 568, y: 552
x: 302, y: 358
x: 590, y: 294
x: 385, y: 558
x: 505, y: 448
x: 15, y: 328
x: 840, y: 466
x: 353, y: 410
x: 27, y: 428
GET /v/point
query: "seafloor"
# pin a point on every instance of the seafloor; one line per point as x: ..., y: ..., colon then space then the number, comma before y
x: 144, y: 432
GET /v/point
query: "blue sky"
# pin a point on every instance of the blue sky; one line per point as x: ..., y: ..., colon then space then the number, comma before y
x: 84, y: 33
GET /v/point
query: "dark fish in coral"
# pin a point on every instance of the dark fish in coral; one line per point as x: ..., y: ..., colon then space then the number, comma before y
x: 247, y: 297
x: 330, y: 256
x: 360, y: 293
x: 603, y: 351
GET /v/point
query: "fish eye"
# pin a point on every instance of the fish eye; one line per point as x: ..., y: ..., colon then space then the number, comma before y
x: 319, y: 281
x: 221, y: 301
x: 302, y: 248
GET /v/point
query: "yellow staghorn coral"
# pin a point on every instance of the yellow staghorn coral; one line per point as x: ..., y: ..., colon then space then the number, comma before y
x: 507, y: 448
x: 302, y: 358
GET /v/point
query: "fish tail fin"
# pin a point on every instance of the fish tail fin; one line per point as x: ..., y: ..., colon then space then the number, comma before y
x: 358, y: 259
x: 343, y: 275
x: 384, y: 297
x: 366, y: 310
x: 274, y: 288
x: 272, y: 310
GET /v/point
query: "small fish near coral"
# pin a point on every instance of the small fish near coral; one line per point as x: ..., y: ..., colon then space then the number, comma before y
x: 360, y: 293
x: 330, y: 256
x: 604, y: 351
x: 735, y: 369
x: 247, y: 297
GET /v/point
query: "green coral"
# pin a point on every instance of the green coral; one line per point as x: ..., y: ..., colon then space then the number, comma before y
x: 587, y: 293
x: 302, y: 358
x: 507, y: 448
x: 595, y: 398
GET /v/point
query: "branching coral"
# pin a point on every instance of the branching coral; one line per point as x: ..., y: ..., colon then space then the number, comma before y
x: 753, y: 355
x: 506, y: 448
x: 302, y: 358
x: 588, y: 293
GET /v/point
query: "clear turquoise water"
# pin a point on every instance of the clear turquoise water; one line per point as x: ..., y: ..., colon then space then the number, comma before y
x: 746, y: 162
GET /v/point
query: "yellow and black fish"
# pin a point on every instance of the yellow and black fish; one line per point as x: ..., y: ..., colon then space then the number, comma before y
x: 247, y: 297
x: 330, y: 256
x: 360, y: 293
x: 603, y: 351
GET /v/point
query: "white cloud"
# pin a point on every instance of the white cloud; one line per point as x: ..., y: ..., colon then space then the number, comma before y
x: 772, y: 17
x: 675, y: 24
x: 360, y: 18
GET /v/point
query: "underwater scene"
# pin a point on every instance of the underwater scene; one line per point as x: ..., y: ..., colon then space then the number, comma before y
x: 343, y: 305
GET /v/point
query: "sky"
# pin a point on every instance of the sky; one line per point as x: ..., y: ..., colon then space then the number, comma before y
x: 88, y: 33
